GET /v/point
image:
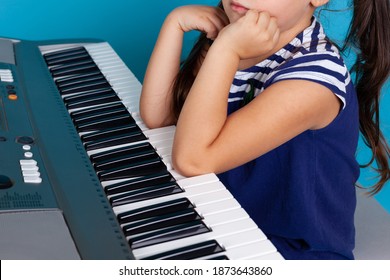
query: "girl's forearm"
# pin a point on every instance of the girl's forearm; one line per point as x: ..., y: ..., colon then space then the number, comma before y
x: 205, y: 110
x: 155, y: 101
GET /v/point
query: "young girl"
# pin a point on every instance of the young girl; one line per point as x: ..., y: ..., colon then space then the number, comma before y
x: 265, y: 101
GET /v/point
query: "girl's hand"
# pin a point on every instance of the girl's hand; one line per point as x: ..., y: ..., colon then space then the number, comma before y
x: 253, y: 35
x: 209, y: 20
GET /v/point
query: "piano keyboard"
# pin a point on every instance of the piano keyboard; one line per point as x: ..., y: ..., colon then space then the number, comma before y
x: 70, y: 116
x: 163, y: 215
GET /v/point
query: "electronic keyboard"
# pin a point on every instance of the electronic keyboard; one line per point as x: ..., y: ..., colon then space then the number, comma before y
x: 82, y: 177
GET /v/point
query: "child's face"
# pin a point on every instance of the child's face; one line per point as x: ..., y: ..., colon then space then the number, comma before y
x: 287, y: 12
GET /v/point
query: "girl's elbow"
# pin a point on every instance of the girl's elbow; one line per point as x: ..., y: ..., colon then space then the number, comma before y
x: 150, y: 120
x: 188, y: 167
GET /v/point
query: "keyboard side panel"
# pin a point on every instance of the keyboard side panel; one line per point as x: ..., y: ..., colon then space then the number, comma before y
x: 76, y: 187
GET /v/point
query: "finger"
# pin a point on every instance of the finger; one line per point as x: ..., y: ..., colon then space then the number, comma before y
x: 252, y: 16
x: 210, y: 29
x: 218, y: 23
x: 276, y: 35
x: 218, y: 20
x: 263, y: 19
x: 273, y: 25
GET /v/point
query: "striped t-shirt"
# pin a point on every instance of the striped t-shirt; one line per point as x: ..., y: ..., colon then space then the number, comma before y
x: 303, y: 191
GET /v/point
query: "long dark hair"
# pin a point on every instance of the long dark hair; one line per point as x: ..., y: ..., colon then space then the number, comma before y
x: 188, y: 70
x: 369, y: 32
x: 187, y: 73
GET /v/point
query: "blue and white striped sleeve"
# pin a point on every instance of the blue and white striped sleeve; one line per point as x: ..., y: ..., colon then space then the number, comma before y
x: 327, y: 69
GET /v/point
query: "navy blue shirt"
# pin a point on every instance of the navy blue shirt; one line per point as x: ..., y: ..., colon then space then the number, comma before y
x: 302, y: 194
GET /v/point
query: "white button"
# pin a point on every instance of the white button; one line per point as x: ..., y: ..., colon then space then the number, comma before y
x: 29, y: 167
x: 28, y: 162
x: 7, y: 80
x: 26, y: 147
x: 32, y: 179
x: 34, y: 173
x: 28, y: 154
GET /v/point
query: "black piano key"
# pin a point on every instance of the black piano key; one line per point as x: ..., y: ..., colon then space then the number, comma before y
x: 133, y: 170
x: 161, y: 190
x: 168, y: 234
x: 105, y: 156
x: 73, y: 64
x: 189, y: 252
x: 130, y: 137
x: 163, y: 208
x: 220, y: 257
x: 63, y: 53
x: 160, y: 222
x: 139, y: 183
x: 103, y: 134
x: 84, y: 86
x: 118, y: 120
x: 92, y: 99
x: 73, y: 69
x: 119, y: 152
x: 132, y: 158
x: 84, y: 96
x: 112, y: 137
x: 95, y: 111
x: 78, y: 78
x: 67, y: 59
x: 100, y: 116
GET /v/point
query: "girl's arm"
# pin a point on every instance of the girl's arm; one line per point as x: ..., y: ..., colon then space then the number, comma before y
x: 207, y: 140
x: 156, y: 96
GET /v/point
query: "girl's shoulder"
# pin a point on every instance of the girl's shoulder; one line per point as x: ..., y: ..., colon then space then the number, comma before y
x: 312, y: 44
x: 312, y: 56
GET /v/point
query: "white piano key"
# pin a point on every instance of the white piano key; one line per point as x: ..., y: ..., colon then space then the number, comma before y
x: 238, y: 242
x: 275, y: 256
x: 219, y: 232
x: 132, y: 107
x: 159, y: 140
x: 117, y: 80
x: 136, y: 116
x: 162, y: 143
x: 128, y: 91
x: 159, y: 131
x: 219, y: 218
x: 164, y: 152
x: 202, y: 194
x: 168, y: 163
x: 122, y: 83
x: 128, y: 99
x: 217, y: 207
x: 198, y: 180
x: 118, y: 72
x: 252, y: 250
x: 177, y: 175
x: 111, y: 68
x: 244, y: 238
x: 142, y: 126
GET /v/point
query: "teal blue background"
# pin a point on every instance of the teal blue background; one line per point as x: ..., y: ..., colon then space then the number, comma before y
x: 131, y: 27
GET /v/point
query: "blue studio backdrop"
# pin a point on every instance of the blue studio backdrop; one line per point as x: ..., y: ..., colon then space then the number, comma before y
x: 131, y: 27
